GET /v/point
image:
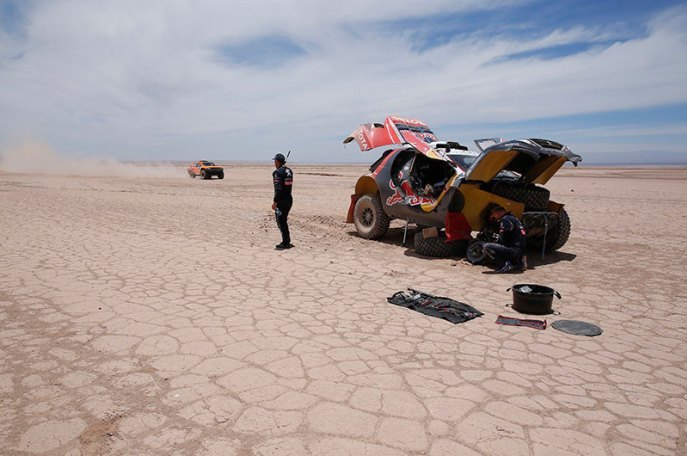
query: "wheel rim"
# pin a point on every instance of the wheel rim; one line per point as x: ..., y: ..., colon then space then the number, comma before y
x: 367, y: 218
x: 474, y: 253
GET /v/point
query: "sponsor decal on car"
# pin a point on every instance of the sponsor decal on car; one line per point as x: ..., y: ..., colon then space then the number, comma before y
x: 411, y: 199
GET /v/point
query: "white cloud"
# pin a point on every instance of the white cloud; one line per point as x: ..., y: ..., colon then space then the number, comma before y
x: 143, y: 79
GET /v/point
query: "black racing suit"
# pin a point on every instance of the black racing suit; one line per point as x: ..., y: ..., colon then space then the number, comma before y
x: 283, y: 182
x: 510, y: 244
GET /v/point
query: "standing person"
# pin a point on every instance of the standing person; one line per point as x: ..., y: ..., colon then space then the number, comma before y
x: 281, y: 205
x: 507, y: 251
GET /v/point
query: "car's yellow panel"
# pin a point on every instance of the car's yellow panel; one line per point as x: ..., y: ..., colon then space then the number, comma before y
x: 477, y: 201
x: 366, y: 185
x: 544, y: 169
x: 490, y: 164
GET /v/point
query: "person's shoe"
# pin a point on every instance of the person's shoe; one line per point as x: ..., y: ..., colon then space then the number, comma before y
x: 523, y: 263
x: 507, y: 267
x: 282, y: 246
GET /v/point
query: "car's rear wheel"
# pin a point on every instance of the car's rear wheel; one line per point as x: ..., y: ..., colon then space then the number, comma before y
x: 556, y: 236
x: 220, y: 175
x: 203, y: 174
x: 437, y: 246
x: 371, y: 222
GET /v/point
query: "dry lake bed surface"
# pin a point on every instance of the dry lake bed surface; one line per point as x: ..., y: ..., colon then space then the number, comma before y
x: 147, y: 314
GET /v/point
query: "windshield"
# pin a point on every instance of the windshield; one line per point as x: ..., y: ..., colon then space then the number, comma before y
x: 207, y: 163
x: 463, y: 161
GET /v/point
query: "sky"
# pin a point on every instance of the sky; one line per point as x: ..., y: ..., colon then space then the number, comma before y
x: 241, y: 80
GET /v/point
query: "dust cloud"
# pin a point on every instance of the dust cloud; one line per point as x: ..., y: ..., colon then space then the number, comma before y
x: 33, y: 157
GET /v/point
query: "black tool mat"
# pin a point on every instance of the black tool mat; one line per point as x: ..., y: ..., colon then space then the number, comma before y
x: 435, y: 306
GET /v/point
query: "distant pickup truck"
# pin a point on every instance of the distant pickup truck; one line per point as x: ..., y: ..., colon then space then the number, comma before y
x: 205, y: 169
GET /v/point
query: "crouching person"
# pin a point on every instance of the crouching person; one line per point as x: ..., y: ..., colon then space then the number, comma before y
x: 507, y: 253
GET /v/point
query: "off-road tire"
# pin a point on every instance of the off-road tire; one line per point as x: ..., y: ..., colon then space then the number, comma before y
x: 533, y: 197
x: 555, y: 238
x: 204, y: 175
x: 371, y: 222
x: 220, y: 175
x: 437, y: 247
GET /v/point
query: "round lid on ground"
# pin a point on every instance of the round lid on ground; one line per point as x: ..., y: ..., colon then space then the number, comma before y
x: 576, y: 327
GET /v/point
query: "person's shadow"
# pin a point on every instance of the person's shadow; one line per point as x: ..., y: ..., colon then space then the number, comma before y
x: 394, y: 236
x: 535, y: 259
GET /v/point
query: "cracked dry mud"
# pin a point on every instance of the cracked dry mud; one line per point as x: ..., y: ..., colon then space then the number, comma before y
x: 153, y: 316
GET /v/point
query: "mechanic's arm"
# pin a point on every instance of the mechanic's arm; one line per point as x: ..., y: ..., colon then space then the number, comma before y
x: 505, y: 226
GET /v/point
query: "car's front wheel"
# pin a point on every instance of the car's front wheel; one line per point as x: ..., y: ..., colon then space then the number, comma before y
x: 220, y: 175
x: 371, y: 222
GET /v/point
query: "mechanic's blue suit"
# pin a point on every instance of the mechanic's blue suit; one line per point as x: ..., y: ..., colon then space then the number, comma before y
x: 510, y: 244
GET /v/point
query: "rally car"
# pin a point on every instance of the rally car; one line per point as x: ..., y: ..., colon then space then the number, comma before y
x: 205, y: 169
x: 442, y: 184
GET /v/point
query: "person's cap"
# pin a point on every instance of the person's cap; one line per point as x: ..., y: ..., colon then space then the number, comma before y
x: 496, y: 208
x: 280, y: 157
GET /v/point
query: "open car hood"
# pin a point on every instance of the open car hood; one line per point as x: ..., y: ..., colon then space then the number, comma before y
x: 397, y: 130
x: 534, y: 160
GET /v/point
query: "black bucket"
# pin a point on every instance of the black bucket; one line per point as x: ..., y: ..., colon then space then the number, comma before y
x: 533, y: 299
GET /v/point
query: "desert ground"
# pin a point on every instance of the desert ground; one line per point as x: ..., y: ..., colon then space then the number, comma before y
x: 148, y: 314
